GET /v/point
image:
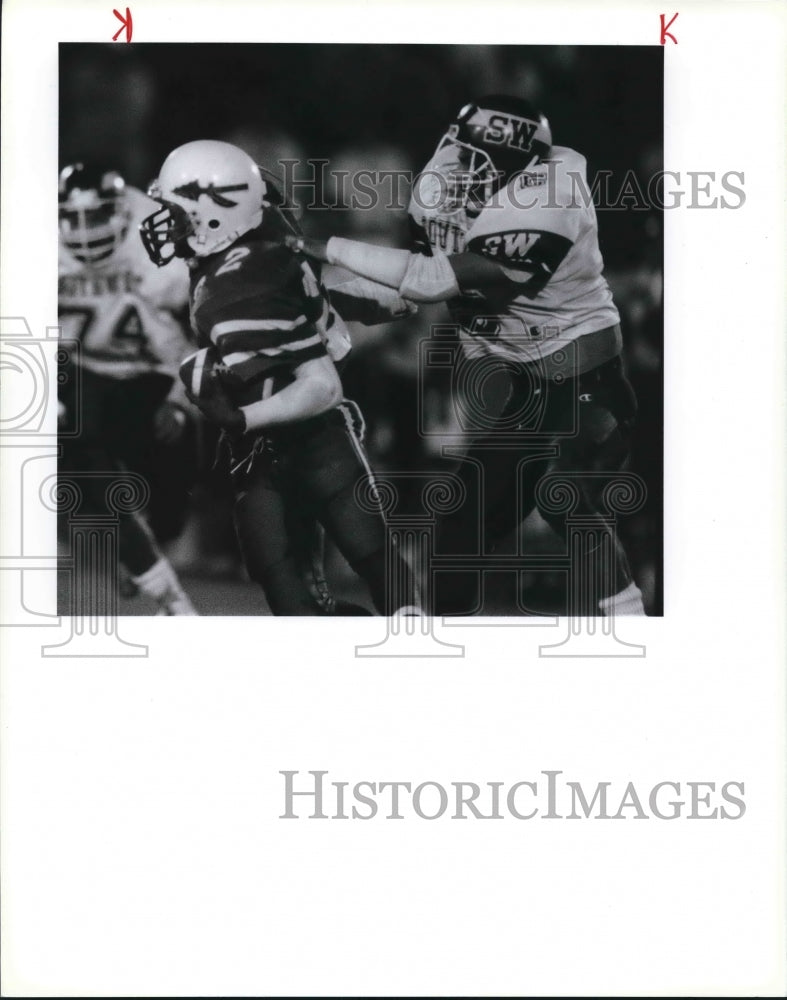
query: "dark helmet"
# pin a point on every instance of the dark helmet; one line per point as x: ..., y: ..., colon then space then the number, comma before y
x: 93, y: 211
x: 489, y: 141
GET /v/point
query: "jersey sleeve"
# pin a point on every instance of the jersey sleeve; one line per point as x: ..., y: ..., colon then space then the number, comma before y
x: 533, y: 224
x: 363, y: 301
x: 268, y: 315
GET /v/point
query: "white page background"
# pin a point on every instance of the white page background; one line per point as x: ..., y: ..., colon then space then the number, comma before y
x: 142, y: 850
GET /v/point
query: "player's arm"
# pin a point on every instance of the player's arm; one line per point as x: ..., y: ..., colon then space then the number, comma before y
x: 360, y: 300
x: 415, y: 276
x: 315, y: 389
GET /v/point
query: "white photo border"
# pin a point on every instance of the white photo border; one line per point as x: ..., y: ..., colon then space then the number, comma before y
x: 143, y: 852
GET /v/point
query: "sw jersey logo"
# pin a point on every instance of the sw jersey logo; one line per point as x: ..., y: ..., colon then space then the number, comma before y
x: 510, y: 131
x: 513, y: 246
x: 537, y: 253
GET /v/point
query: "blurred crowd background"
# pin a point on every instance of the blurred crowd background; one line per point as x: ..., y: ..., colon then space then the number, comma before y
x: 384, y: 107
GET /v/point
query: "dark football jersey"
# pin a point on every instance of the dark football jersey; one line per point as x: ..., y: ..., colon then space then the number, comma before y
x: 261, y: 310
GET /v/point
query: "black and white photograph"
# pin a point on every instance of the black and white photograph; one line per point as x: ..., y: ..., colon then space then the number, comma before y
x: 449, y: 264
x: 392, y: 454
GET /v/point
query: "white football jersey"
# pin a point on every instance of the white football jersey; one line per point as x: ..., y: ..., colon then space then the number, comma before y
x: 120, y: 309
x: 542, y: 230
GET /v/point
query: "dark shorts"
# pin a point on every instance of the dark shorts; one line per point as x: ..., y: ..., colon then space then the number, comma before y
x: 581, y: 425
x: 116, y: 433
x: 313, y: 471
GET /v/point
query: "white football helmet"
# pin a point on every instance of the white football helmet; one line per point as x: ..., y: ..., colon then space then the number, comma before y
x: 211, y: 192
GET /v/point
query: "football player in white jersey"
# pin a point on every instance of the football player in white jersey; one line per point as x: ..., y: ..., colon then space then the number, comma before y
x: 506, y: 234
x: 123, y: 311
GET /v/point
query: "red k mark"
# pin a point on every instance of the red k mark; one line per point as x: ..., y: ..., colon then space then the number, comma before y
x: 125, y: 22
x: 664, y: 33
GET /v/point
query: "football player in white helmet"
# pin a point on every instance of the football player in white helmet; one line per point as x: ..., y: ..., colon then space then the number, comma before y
x: 212, y: 193
x: 124, y: 314
x: 266, y: 374
x: 504, y: 235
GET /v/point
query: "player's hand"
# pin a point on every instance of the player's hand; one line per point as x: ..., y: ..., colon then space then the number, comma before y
x: 169, y: 423
x: 316, y: 249
x: 217, y: 407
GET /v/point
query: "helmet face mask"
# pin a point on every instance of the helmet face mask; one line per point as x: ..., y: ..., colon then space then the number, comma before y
x: 93, y: 213
x: 165, y: 233
x: 211, y: 193
x: 488, y: 143
x: 470, y: 175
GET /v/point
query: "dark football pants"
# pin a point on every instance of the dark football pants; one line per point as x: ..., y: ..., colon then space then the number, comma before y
x: 304, y: 477
x: 589, y: 421
x: 117, y: 435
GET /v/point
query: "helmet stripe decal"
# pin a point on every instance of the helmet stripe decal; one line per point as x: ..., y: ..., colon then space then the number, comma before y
x: 194, y: 189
